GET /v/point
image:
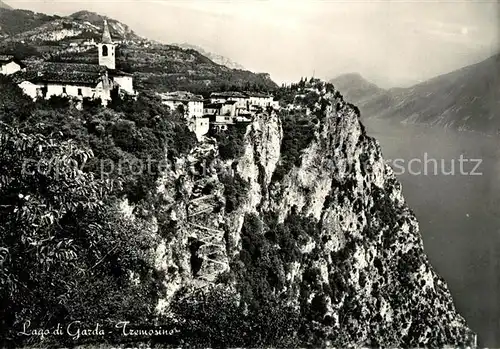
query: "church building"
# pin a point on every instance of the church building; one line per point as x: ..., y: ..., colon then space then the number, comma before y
x: 47, y: 79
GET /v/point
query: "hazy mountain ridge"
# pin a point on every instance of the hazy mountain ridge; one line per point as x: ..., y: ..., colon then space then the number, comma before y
x: 219, y: 59
x: 28, y: 26
x: 464, y: 99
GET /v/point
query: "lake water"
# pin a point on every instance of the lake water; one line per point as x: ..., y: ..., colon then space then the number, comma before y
x: 459, y: 214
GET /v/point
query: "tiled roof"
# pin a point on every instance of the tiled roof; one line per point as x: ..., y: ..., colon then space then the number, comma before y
x: 69, y: 73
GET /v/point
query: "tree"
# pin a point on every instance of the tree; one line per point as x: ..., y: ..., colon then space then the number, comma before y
x: 59, y: 233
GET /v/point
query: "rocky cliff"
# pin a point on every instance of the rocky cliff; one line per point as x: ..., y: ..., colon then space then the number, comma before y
x: 335, y: 232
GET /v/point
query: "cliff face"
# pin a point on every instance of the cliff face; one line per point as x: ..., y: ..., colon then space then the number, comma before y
x: 364, y: 250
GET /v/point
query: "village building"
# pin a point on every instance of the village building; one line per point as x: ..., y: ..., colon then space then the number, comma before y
x: 275, y: 105
x: 260, y: 99
x: 10, y: 65
x: 191, y: 106
x: 124, y: 81
x: 224, y: 115
x: 228, y: 108
x: 221, y: 114
x: 243, y: 118
x: 47, y: 79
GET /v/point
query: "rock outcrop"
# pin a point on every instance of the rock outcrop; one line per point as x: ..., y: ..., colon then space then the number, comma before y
x: 365, y: 256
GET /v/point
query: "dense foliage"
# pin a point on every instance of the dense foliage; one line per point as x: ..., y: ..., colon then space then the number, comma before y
x: 268, y: 252
x: 66, y: 252
x: 286, y: 94
x: 299, y: 123
x: 298, y: 132
x: 128, y: 140
x: 19, y: 50
x: 258, y: 314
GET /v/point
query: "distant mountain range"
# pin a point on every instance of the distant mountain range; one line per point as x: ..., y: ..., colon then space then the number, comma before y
x: 35, y: 36
x: 465, y: 99
x: 219, y: 59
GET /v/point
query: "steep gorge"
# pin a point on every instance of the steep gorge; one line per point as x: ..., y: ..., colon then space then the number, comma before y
x: 335, y: 232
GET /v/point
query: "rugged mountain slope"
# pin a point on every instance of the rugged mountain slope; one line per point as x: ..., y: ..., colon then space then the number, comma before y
x: 213, y: 56
x: 465, y: 99
x: 156, y: 66
x: 13, y: 22
x: 4, y: 5
x: 334, y: 237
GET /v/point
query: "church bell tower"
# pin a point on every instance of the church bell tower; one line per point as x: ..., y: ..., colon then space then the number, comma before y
x: 107, y: 49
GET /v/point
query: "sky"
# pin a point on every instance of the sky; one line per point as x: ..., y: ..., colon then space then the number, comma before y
x: 392, y: 43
